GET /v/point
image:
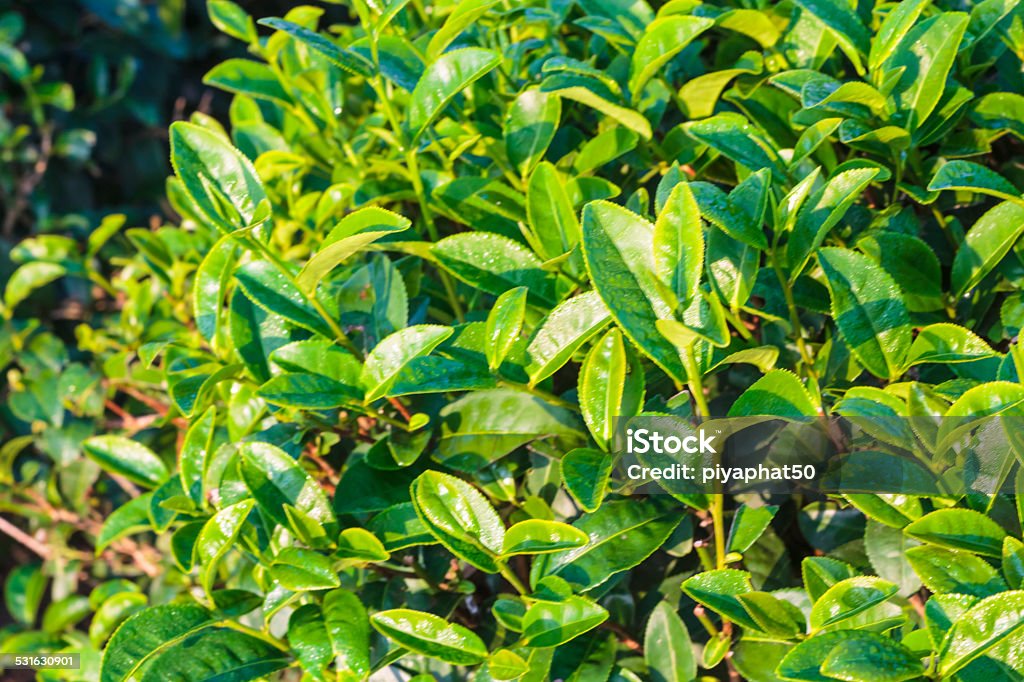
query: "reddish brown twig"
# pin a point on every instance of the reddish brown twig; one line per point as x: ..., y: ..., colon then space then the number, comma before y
x: 624, y: 637
x: 26, y: 540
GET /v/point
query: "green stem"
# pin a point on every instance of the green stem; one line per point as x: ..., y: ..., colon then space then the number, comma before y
x: 705, y: 557
x: 389, y: 112
x: 421, y: 572
x: 339, y: 335
x: 693, y: 382
x: 414, y: 171
x: 407, y: 148
x: 428, y: 219
x: 509, y: 575
x: 737, y: 323
x: 794, y: 320
x: 702, y: 616
x: 380, y: 416
x: 252, y: 632
x: 541, y: 393
x: 718, y: 526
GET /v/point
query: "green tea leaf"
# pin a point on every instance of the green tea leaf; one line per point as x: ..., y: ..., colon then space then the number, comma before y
x: 963, y: 529
x: 299, y: 569
x: 217, y: 537
x: 605, y: 148
x: 667, y: 646
x: 823, y: 211
x: 585, y: 474
x: 778, y: 393
x: 275, y: 479
x: 926, y: 56
x: 895, y: 26
x: 548, y: 623
x: 494, y: 264
x: 773, y: 615
x: 507, y: 665
x: 868, y: 309
x: 444, y: 78
x: 571, y: 324
x: 844, y: 25
x: 270, y: 289
x: 719, y: 591
x: 26, y: 279
x: 550, y: 212
x: 530, y: 126
x: 460, y: 517
x: 475, y: 430
x: 972, y: 177
x: 987, y: 623
x: 147, y: 633
x: 360, y: 545
x: 679, y: 243
x: 342, y: 58
x: 621, y: 534
x: 842, y: 651
x: 123, y: 457
x: 747, y: 526
x: 849, y: 597
x: 465, y: 13
x: 536, y: 536
x: 662, y: 40
x: 355, y: 231
x: 576, y: 89
x: 23, y: 592
x: 216, y: 175
x: 348, y: 629
x: 231, y: 19
x: 912, y: 264
x: 611, y: 387
x: 216, y: 652
x: 395, y: 352
x: 618, y: 249
x: 734, y: 136
x: 948, y: 571
x: 247, y: 77
x: 947, y: 343
x: 504, y: 323
x: 991, y: 238
x: 430, y: 635
x: 126, y: 520
x: 882, y: 659
x: 1013, y: 562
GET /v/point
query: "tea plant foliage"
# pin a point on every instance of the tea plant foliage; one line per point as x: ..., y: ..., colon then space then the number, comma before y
x: 367, y: 384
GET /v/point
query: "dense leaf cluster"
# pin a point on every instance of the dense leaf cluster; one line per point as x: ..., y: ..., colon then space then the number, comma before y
x: 368, y: 385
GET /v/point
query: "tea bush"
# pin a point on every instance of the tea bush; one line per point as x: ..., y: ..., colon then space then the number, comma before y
x: 368, y: 388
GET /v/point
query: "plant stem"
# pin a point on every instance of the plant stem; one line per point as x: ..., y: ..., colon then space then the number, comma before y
x: 428, y: 219
x: 339, y: 335
x: 409, y: 150
x: 542, y: 394
x: 794, y: 321
x: 252, y: 632
x: 9, y: 529
x: 703, y: 555
x: 387, y: 419
x: 737, y: 323
x: 509, y: 575
x: 702, y: 616
x: 693, y: 382
x: 718, y: 526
